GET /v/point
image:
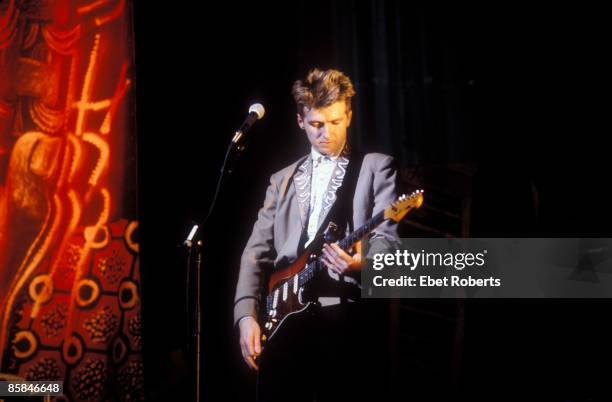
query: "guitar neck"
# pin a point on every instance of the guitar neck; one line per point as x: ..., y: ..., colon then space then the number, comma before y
x: 366, y: 228
x: 346, y: 243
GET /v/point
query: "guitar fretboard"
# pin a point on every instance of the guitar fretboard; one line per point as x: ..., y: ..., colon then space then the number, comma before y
x: 306, y: 274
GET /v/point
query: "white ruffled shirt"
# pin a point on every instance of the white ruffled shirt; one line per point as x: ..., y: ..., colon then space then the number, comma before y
x: 322, y: 170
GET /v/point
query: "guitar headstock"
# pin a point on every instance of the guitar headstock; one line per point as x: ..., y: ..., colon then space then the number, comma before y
x: 400, y: 208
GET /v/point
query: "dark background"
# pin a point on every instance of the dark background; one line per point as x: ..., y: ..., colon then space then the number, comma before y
x: 518, y: 94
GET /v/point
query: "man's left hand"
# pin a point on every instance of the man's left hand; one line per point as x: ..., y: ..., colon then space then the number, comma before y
x: 339, y: 260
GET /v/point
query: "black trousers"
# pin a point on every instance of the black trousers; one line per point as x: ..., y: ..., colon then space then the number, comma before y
x: 335, y: 353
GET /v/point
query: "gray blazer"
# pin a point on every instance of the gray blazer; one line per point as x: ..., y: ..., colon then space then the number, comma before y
x: 280, y: 222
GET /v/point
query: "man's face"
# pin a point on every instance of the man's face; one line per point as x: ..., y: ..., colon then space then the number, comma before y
x: 326, y: 127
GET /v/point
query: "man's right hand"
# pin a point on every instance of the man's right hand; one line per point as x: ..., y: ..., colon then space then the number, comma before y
x: 250, y: 344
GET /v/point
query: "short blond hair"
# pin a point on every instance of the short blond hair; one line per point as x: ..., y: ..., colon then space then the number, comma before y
x: 322, y: 88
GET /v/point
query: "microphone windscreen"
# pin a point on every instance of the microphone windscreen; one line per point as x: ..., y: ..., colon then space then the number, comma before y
x: 258, y: 109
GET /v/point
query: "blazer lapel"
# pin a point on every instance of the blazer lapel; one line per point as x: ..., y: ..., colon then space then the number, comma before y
x: 301, y: 181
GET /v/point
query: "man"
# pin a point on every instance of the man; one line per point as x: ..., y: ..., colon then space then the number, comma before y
x: 315, y: 355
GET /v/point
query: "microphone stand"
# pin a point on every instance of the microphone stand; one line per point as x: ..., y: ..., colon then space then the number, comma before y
x: 235, y: 149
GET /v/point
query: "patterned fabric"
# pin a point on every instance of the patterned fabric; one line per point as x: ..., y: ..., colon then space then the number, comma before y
x: 334, y: 183
x: 302, y: 181
x: 303, y: 186
x: 69, y: 253
x: 323, y: 168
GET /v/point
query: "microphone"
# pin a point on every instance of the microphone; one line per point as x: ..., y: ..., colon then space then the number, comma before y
x: 256, y: 112
x: 188, y: 241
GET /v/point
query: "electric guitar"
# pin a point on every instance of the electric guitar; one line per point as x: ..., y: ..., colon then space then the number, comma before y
x: 286, y: 286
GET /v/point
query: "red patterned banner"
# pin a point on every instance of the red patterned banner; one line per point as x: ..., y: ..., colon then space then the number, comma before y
x: 69, y: 273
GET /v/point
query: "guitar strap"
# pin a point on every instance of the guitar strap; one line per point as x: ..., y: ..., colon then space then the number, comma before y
x: 341, y: 213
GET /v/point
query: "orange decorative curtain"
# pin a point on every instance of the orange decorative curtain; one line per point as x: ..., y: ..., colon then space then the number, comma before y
x: 69, y: 272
